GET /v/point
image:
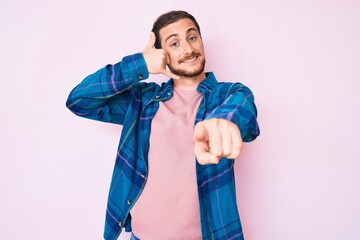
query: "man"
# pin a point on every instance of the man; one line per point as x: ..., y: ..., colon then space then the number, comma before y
x: 158, y: 189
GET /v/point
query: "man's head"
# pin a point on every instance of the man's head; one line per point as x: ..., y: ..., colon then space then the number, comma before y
x: 168, y: 18
x: 178, y: 34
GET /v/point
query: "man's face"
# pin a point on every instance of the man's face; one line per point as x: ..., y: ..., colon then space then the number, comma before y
x: 182, y: 42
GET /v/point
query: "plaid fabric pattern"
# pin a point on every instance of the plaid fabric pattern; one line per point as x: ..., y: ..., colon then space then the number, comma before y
x: 115, y: 94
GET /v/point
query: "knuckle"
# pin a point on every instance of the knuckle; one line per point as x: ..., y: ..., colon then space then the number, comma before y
x: 238, y: 147
x: 227, y: 152
x: 216, y: 152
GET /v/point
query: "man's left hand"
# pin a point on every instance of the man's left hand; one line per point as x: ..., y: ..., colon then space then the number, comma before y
x: 216, y: 138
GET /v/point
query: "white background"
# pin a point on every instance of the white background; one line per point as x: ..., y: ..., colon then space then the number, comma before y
x: 299, y: 180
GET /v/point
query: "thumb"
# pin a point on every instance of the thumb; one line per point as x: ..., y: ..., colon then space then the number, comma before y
x: 152, y: 41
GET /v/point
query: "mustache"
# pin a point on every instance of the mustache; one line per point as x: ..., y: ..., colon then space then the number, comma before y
x: 190, y: 56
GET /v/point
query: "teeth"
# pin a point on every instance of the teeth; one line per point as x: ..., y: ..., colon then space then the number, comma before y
x: 190, y: 60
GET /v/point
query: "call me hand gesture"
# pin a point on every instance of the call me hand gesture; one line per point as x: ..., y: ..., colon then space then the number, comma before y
x: 157, y: 59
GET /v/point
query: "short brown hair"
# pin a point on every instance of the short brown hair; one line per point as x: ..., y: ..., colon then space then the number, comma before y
x: 168, y: 18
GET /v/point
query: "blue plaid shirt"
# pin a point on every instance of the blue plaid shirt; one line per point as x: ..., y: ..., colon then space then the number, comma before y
x: 115, y: 94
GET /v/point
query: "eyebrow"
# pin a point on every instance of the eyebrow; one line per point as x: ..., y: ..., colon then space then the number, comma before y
x: 175, y: 34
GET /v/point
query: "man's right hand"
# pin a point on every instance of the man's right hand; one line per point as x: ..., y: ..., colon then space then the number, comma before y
x: 157, y: 59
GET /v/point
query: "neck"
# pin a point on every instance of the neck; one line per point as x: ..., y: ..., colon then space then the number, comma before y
x: 189, y: 83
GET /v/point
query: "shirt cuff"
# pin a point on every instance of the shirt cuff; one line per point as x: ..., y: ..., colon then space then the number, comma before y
x: 137, y: 67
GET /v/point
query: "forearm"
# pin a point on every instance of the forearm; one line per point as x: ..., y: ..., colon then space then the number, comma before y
x: 104, y: 94
x: 239, y: 108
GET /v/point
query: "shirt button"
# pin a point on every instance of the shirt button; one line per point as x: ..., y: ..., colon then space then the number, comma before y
x: 168, y: 93
x: 142, y: 176
x: 128, y: 202
x: 140, y: 77
x: 120, y: 224
x: 157, y: 96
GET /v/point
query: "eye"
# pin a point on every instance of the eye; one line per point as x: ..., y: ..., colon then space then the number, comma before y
x: 192, y: 39
x: 174, y: 44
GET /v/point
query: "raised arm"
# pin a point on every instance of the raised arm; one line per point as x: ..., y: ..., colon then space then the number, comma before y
x: 104, y: 95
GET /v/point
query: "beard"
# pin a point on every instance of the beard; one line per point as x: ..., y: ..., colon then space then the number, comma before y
x: 189, y: 73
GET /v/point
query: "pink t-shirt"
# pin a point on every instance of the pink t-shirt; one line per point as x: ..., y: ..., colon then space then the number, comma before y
x: 168, y: 207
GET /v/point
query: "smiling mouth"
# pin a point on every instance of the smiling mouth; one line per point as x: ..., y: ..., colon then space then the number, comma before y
x: 190, y: 59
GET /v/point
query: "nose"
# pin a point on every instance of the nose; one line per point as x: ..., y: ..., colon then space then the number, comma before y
x: 187, y: 47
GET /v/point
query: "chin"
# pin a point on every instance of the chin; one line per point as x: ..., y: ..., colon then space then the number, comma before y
x: 189, y: 73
